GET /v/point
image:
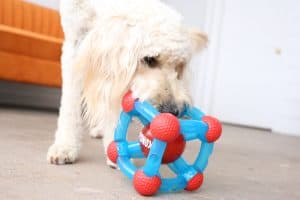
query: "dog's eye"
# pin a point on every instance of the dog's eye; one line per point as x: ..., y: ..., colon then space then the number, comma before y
x: 150, y: 61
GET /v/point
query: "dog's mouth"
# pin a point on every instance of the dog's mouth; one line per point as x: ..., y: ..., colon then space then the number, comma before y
x: 177, y: 110
x: 166, y: 105
x: 169, y: 107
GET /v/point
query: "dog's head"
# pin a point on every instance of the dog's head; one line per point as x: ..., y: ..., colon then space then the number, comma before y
x: 147, y: 52
x: 161, y: 67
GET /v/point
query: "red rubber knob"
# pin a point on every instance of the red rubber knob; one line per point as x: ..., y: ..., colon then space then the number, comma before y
x: 195, y: 182
x: 112, y: 152
x: 128, y: 102
x: 165, y: 127
x: 146, y: 185
x: 214, y: 128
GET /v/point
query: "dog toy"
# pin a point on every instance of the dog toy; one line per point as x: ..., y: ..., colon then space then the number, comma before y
x: 162, y: 141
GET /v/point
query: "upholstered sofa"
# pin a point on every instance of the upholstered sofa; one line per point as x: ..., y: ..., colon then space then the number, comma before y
x: 30, y: 43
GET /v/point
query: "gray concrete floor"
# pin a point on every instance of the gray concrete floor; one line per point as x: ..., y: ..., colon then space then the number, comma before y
x: 246, y: 164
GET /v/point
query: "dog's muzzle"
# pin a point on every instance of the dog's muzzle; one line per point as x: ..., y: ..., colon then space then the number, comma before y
x: 169, y: 107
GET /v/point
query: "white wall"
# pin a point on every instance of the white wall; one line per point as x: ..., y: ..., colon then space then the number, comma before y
x: 47, y: 3
x: 192, y: 10
x: 194, y: 13
x: 250, y: 73
x: 258, y: 76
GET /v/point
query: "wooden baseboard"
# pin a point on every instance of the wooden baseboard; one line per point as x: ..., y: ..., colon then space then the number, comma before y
x: 29, y: 96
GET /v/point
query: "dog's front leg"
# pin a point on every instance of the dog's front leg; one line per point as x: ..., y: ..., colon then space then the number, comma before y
x: 68, y: 135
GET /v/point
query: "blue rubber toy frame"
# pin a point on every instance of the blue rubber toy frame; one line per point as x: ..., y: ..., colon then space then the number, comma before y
x: 192, y: 128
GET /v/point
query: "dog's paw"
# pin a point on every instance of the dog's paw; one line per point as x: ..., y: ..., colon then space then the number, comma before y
x: 111, y: 164
x: 61, y: 154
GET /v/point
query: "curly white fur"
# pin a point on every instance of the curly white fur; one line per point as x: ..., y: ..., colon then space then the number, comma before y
x: 105, y: 43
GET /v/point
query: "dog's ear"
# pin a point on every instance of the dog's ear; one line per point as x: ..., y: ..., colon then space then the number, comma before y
x: 198, y: 39
x: 107, y: 62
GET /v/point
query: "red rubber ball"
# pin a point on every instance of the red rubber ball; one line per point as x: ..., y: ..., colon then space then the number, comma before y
x: 146, y: 185
x: 112, y: 152
x: 165, y: 127
x: 195, y: 182
x: 128, y: 102
x: 214, y: 128
x: 173, y: 149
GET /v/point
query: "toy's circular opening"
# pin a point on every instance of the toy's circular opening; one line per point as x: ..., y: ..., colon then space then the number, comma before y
x: 173, y: 150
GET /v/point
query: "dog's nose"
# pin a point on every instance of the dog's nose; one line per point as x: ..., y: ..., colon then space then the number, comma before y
x: 169, y: 107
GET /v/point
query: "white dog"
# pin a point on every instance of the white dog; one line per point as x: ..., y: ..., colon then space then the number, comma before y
x: 112, y: 46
